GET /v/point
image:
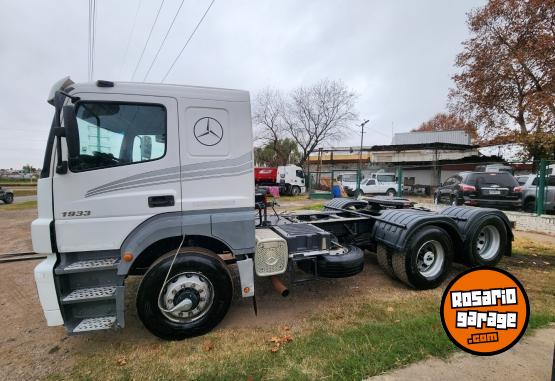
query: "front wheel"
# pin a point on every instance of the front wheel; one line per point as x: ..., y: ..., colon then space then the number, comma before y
x: 427, y: 259
x: 8, y: 198
x: 436, y: 199
x: 295, y: 191
x: 193, y: 300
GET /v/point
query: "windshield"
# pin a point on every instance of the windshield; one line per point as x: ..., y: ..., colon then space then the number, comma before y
x: 502, y: 179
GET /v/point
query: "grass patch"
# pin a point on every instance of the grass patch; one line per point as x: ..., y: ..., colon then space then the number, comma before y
x: 19, y: 206
x: 360, y: 335
x: 316, y: 206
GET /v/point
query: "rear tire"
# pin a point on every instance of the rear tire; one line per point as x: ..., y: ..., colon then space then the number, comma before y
x: 384, y: 260
x: 205, y: 280
x: 8, y: 198
x: 487, y: 243
x: 391, y: 193
x: 427, y: 259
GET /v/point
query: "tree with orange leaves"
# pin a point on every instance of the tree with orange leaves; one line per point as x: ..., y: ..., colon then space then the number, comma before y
x: 506, y: 80
x: 449, y: 122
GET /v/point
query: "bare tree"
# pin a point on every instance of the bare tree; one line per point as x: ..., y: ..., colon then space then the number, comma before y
x: 319, y: 114
x: 268, y: 119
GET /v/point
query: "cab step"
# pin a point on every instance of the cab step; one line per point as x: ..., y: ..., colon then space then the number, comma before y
x: 90, y: 294
x: 88, y: 265
x: 95, y: 324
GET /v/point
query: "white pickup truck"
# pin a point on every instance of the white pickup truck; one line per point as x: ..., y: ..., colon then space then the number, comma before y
x: 377, y: 183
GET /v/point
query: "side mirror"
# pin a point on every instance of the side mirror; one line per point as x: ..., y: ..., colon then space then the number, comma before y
x: 71, y: 132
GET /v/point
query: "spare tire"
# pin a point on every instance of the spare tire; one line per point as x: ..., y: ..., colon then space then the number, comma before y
x: 335, y: 266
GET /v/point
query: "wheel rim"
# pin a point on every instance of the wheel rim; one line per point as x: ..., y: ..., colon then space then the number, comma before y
x: 9, y: 198
x: 430, y: 258
x: 488, y: 242
x: 186, y: 297
x: 436, y: 199
x: 391, y: 193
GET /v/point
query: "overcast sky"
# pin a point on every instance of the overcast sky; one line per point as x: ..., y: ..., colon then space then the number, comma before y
x: 398, y: 55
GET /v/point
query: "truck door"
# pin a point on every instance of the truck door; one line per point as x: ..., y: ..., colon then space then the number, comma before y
x: 127, y: 170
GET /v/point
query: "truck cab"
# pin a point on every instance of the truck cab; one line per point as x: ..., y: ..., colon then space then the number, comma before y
x: 130, y: 169
x: 293, y: 177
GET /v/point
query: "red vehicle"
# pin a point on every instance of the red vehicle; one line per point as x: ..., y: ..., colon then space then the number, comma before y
x: 289, y: 178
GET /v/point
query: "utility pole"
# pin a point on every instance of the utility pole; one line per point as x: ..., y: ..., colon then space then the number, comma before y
x: 360, y: 153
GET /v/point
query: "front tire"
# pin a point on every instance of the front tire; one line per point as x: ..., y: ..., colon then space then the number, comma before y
x: 391, y: 193
x: 427, y: 259
x: 295, y: 191
x: 436, y: 199
x: 199, y: 282
x: 8, y: 198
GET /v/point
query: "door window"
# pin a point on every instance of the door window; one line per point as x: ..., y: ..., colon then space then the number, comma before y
x: 371, y: 182
x: 115, y: 134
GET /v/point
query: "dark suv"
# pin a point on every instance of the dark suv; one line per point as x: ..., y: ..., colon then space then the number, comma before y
x: 6, y: 195
x: 493, y: 189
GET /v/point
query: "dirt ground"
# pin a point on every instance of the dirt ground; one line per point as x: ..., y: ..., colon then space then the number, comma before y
x: 31, y: 350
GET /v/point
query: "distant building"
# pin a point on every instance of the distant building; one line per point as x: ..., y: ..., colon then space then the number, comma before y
x: 427, y: 158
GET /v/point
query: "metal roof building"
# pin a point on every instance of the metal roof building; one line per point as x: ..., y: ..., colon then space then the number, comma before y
x: 427, y: 137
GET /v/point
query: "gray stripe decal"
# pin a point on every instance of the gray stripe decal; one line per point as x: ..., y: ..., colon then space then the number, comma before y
x: 175, y: 177
x: 227, y: 174
x: 185, y: 168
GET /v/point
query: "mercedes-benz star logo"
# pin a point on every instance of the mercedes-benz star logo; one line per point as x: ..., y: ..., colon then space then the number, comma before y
x: 208, y: 131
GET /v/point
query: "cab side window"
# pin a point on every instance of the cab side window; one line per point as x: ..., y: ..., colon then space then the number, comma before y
x: 114, y: 134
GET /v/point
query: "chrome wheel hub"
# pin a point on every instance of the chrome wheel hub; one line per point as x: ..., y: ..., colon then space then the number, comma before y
x: 430, y: 258
x: 186, y: 297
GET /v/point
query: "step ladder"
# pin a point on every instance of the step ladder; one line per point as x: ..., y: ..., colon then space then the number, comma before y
x: 91, y: 293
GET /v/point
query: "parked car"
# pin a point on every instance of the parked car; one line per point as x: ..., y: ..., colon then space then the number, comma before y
x: 529, y: 186
x: 377, y: 183
x: 493, y: 189
x: 6, y: 195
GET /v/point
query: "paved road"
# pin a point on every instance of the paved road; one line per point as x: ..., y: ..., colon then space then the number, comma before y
x: 18, y: 200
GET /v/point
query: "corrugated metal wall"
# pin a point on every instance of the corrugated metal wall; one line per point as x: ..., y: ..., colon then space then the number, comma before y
x: 453, y: 137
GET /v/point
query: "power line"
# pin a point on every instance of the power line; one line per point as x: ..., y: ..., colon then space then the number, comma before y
x: 164, y: 40
x: 93, y: 37
x: 188, y: 40
x: 130, y: 36
x: 89, y: 43
x: 148, y: 39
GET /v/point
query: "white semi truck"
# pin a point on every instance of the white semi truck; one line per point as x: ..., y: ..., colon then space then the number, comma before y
x: 157, y: 180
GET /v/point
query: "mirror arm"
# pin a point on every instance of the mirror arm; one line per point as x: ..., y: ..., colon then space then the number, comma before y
x: 61, y: 165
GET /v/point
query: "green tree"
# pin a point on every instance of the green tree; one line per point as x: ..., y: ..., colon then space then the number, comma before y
x: 278, y: 152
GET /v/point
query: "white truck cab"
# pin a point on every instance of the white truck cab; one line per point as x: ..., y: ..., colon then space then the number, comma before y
x: 293, y: 176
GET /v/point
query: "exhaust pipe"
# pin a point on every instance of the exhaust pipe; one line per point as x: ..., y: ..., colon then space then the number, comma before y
x: 279, y: 286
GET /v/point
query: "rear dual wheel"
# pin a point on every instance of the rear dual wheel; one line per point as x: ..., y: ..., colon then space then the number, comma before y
x: 425, y: 262
x: 487, y: 242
